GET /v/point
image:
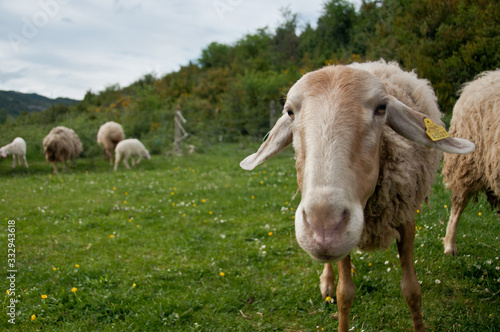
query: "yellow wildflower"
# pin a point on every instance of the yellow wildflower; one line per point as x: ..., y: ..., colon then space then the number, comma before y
x: 33, y: 317
x: 44, y: 296
x: 270, y: 233
x: 114, y: 188
x: 111, y: 236
x: 74, y: 289
x: 222, y: 274
x: 76, y: 265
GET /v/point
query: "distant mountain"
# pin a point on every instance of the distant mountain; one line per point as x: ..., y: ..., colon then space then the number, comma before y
x: 16, y: 102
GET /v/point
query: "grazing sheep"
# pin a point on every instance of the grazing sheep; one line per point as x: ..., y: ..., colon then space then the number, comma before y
x: 108, y: 136
x: 361, y: 182
x: 130, y: 148
x: 61, y: 144
x: 17, y: 148
x: 476, y: 116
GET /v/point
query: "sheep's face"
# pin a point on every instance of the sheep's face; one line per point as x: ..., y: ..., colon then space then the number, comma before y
x: 337, y: 122
x: 335, y: 117
x: 3, y: 154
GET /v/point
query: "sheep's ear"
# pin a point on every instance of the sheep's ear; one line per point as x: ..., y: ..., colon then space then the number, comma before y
x: 278, y: 138
x: 417, y: 127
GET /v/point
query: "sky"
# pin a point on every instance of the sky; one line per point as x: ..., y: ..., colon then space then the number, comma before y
x: 64, y: 48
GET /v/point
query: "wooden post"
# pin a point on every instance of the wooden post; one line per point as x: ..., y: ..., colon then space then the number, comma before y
x: 179, y: 132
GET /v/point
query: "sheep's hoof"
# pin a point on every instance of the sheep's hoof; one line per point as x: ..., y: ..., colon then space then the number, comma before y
x: 450, y: 251
x: 327, y: 285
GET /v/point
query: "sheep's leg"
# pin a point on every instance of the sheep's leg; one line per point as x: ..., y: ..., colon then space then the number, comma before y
x: 117, y: 161
x: 125, y: 163
x: 327, y: 281
x: 25, y: 162
x: 409, y: 283
x: 458, y: 204
x: 345, y: 292
x: 55, y: 167
x: 138, y: 161
x: 13, y: 160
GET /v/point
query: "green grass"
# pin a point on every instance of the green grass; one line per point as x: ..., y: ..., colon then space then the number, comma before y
x: 195, y: 243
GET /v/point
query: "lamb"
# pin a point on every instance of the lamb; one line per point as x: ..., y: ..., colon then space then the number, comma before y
x: 61, y: 144
x: 130, y: 148
x: 108, y: 136
x: 361, y: 182
x: 17, y: 148
x: 476, y: 116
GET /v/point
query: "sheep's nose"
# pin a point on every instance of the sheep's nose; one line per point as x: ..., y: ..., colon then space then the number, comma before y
x: 327, y: 226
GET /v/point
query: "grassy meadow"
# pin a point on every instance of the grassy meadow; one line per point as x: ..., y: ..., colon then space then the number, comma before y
x: 194, y: 243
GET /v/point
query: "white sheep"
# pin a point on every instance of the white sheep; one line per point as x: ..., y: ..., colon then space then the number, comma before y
x: 61, y: 144
x: 108, y: 136
x: 476, y: 116
x: 361, y: 182
x: 17, y: 148
x: 130, y: 148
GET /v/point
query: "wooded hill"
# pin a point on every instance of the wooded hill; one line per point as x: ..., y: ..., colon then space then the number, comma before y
x: 227, y: 93
x: 14, y: 103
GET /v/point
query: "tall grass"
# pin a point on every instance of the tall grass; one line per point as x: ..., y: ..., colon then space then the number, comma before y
x: 195, y: 243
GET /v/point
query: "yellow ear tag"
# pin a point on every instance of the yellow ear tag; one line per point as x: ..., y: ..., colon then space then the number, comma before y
x: 434, y: 131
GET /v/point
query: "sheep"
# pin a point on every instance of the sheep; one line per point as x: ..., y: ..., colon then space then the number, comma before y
x: 108, y: 136
x: 361, y: 183
x: 17, y: 148
x: 476, y: 116
x: 61, y: 144
x: 130, y: 148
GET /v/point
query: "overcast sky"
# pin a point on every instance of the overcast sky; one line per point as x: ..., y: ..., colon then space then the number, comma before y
x: 63, y: 48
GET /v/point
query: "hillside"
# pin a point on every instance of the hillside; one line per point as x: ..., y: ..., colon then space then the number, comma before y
x: 227, y: 93
x: 16, y: 102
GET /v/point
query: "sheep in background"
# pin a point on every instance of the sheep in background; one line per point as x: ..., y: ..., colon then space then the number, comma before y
x: 476, y: 116
x: 61, y: 144
x: 361, y: 182
x: 17, y: 148
x: 108, y: 136
x: 130, y: 148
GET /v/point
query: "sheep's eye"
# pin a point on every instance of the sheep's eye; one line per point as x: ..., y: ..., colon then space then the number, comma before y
x: 290, y: 114
x: 380, y: 109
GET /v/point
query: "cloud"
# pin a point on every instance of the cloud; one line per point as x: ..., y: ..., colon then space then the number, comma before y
x: 65, y: 48
x: 6, y: 76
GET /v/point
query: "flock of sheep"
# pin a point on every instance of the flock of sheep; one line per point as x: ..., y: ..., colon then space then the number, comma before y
x: 361, y: 181
x: 62, y: 144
